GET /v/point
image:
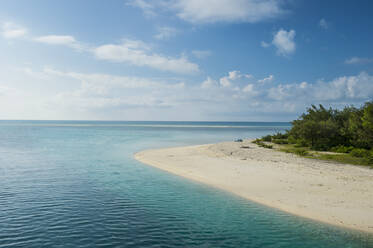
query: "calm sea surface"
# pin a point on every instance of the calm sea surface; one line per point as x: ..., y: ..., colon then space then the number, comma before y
x: 76, y: 184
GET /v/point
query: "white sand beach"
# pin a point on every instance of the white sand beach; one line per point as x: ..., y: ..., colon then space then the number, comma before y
x: 337, y: 194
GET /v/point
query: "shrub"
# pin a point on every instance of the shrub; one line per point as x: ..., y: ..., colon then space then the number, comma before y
x: 301, y: 143
x: 279, y: 135
x: 342, y: 149
x: 301, y: 152
x: 280, y: 141
x: 267, y: 138
x: 320, y: 147
x: 260, y: 143
x: 360, y: 153
x: 297, y: 151
x: 266, y: 146
x: 292, y: 140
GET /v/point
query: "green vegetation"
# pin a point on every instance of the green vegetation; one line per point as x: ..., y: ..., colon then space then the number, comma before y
x: 298, y: 151
x: 347, y: 133
x: 260, y: 143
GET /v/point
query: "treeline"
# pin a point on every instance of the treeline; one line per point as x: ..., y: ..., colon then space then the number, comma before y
x: 321, y: 129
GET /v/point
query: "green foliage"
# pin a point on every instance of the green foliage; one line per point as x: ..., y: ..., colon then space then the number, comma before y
x: 297, y: 151
x: 280, y: 141
x: 325, y: 129
x: 342, y: 149
x: 267, y: 138
x: 260, y: 143
x: 348, y: 131
x: 360, y: 153
x: 279, y: 135
x: 346, y: 158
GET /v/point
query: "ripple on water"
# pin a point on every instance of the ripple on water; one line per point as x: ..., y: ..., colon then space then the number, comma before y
x: 78, y: 186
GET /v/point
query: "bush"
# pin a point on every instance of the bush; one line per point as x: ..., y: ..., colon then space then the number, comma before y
x: 280, y: 141
x: 301, y: 152
x: 266, y: 146
x: 320, y: 147
x: 301, y: 143
x: 279, y: 135
x: 267, y: 138
x: 292, y: 140
x: 342, y: 149
x: 360, y: 153
x: 260, y: 143
x: 297, y: 151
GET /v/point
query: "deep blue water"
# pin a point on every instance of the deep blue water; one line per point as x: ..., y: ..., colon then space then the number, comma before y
x: 76, y: 184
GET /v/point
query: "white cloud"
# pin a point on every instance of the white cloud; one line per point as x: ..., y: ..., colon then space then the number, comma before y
x: 248, y: 88
x: 323, y: 24
x: 358, y: 60
x: 208, y: 83
x: 109, y: 81
x: 51, y: 93
x: 7, y: 91
x: 147, y: 7
x: 264, y: 44
x: 165, y: 33
x: 210, y: 11
x: 344, y: 88
x: 56, y: 39
x: 10, y: 30
x: 201, y: 54
x: 232, y: 75
x: 268, y: 79
x: 284, y: 42
x: 224, y: 82
x: 134, y: 52
x: 137, y: 53
x: 63, y: 40
x: 303, y: 85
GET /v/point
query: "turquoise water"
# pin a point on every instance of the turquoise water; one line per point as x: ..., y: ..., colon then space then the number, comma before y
x: 76, y: 184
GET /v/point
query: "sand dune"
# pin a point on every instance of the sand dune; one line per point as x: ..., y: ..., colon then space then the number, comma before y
x: 334, y: 193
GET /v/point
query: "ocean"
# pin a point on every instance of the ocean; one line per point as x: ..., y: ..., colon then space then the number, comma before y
x: 76, y: 184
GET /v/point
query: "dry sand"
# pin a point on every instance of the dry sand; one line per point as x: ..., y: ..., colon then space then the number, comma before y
x: 337, y: 194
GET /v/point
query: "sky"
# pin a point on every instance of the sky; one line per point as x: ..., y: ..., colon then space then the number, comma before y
x: 183, y: 60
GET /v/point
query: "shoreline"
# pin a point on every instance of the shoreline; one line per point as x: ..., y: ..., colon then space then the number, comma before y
x: 333, y: 193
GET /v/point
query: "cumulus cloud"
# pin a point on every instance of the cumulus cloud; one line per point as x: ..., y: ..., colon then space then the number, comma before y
x: 359, y: 87
x: 358, y: 60
x: 284, y: 42
x: 10, y: 30
x: 346, y: 87
x: 63, y: 40
x: 134, y: 52
x: 165, y: 33
x: 208, y: 83
x: 210, y: 11
x: 248, y: 88
x: 232, y: 75
x: 107, y: 96
x: 323, y: 24
x: 268, y: 79
x: 139, y: 54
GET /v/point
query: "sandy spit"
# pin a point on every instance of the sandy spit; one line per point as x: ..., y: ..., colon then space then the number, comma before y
x: 333, y: 193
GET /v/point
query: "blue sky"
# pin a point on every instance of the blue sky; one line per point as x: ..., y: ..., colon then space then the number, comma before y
x: 227, y: 60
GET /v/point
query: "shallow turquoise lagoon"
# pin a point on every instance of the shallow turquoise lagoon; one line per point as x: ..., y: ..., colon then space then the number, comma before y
x: 76, y: 184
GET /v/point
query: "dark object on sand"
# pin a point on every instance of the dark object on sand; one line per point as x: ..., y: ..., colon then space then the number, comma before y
x: 245, y: 147
x: 238, y: 140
